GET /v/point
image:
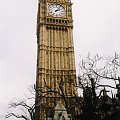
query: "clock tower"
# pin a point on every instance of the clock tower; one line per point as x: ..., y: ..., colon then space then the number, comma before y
x: 55, y: 56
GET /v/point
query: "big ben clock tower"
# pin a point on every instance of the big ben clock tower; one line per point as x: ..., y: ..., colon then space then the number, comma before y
x: 55, y: 55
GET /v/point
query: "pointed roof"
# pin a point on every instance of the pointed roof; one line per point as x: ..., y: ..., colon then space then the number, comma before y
x: 60, y: 112
x: 60, y: 107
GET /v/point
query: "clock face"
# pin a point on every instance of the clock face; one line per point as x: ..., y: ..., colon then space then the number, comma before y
x: 56, y: 10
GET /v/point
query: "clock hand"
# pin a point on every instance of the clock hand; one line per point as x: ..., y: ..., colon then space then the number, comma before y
x: 58, y: 9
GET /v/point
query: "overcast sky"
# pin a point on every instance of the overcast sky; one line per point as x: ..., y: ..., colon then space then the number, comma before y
x: 96, y: 30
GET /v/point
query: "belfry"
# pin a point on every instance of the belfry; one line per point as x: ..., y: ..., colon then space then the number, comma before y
x: 56, y: 73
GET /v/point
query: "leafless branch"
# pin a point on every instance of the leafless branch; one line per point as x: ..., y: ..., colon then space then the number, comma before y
x: 17, y: 116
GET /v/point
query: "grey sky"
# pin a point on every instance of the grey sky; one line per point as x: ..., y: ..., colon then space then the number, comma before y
x: 96, y: 30
x: 96, y: 27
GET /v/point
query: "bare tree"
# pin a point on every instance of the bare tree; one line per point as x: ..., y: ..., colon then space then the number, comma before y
x: 23, y: 109
x: 101, y: 69
x: 59, y: 91
x: 93, y: 71
x: 26, y: 110
x: 99, y: 73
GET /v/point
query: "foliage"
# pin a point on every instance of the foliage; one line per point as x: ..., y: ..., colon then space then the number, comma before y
x: 94, y: 73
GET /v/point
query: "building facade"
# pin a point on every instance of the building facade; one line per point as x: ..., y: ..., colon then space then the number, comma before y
x: 56, y: 74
